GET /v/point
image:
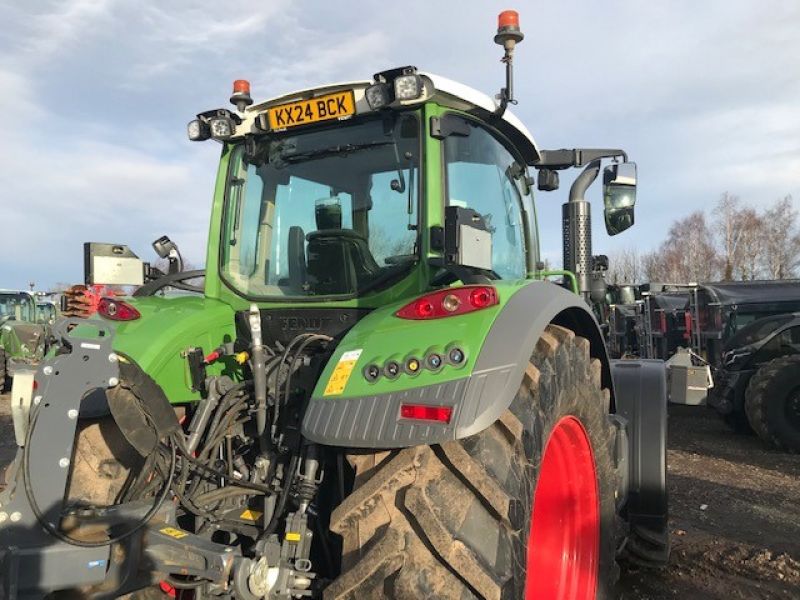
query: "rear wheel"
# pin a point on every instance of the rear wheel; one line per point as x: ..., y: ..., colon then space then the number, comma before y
x: 522, y: 510
x: 772, y: 403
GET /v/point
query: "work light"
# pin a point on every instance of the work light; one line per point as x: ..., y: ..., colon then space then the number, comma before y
x: 377, y: 96
x: 221, y: 127
x: 408, y: 87
x: 197, y: 131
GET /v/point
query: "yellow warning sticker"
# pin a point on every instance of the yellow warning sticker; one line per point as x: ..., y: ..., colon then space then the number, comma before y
x: 292, y: 536
x: 172, y: 532
x: 341, y: 373
x: 251, y: 515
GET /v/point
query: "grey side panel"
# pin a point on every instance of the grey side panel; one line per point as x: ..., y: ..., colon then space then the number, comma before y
x: 509, y: 345
x: 641, y: 388
x: 373, y: 421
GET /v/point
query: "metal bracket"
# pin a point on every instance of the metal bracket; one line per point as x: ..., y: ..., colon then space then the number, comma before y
x: 31, y: 559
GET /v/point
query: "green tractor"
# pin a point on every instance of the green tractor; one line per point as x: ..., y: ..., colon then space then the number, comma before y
x: 23, y: 335
x: 376, y: 393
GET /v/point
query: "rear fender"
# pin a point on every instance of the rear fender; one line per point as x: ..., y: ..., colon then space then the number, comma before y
x: 508, y: 347
x: 478, y: 399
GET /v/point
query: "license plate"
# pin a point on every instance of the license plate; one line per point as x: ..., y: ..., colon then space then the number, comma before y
x: 323, y: 108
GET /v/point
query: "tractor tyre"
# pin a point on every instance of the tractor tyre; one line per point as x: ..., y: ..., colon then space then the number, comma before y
x: 524, y: 509
x: 772, y: 403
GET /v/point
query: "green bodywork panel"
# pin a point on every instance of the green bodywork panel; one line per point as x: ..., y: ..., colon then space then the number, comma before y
x: 383, y: 336
x: 170, y: 325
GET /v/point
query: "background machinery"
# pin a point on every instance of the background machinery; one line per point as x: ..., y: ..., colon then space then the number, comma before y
x: 758, y: 380
x: 24, y: 332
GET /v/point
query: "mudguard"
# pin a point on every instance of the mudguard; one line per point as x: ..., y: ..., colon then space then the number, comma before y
x: 641, y: 399
x: 478, y: 399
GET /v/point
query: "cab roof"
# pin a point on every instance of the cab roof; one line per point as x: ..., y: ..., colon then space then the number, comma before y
x: 444, y: 91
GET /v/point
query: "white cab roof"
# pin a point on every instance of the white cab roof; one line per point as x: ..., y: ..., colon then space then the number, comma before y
x: 447, y: 92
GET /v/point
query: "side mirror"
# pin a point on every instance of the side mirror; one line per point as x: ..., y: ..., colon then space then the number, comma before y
x: 619, y: 196
x: 111, y: 264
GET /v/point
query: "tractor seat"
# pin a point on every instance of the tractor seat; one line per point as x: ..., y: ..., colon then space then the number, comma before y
x: 339, y: 261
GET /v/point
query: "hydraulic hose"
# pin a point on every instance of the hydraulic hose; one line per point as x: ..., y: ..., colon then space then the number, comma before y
x: 288, y: 480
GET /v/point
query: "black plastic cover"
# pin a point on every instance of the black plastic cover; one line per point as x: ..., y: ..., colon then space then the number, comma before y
x: 284, y: 324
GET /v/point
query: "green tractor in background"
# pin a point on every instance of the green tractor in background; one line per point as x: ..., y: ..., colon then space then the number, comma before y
x: 375, y: 393
x: 23, y: 332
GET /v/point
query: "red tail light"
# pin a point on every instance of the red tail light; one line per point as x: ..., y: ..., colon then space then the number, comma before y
x: 117, y: 310
x: 420, y: 412
x: 663, y: 322
x: 687, y: 322
x: 450, y: 302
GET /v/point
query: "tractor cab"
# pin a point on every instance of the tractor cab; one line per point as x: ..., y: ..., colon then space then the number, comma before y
x: 17, y: 306
x: 339, y: 192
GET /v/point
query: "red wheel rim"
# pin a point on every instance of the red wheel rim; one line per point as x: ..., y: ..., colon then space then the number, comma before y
x: 564, y: 542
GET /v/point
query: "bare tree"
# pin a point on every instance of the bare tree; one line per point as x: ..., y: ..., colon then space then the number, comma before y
x: 687, y: 254
x: 728, y: 223
x: 781, y: 239
x: 625, y: 266
x: 750, y: 245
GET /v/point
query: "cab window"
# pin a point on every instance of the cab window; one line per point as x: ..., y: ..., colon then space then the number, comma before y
x: 786, y: 343
x: 483, y: 175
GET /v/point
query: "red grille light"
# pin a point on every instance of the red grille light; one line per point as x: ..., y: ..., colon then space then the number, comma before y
x: 433, y: 306
x: 420, y: 412
x: 117, y: 310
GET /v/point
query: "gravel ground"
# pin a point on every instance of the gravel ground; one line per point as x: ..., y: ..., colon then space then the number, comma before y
x: 734, y: 515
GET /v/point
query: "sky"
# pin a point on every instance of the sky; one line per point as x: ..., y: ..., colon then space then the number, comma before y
x: 95, y: 97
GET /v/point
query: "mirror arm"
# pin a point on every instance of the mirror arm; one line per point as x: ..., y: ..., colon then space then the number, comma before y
x: 576, y: 157
x: 578, y: 190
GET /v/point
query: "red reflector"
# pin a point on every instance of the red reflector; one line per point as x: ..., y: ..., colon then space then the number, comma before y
x: 117, y: 310
x: 241, y: 86
x: 450, y: 302
x: 508, y: 18
x: 420, y: 412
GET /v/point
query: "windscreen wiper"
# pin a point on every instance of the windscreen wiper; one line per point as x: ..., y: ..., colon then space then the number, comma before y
x: 340, y: 149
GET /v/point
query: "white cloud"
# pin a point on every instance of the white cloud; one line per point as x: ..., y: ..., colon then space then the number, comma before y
x: 62, y: 25
x: 96, y: 94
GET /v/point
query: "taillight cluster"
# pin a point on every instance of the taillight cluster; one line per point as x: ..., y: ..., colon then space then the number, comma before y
x: 117, y: 310
x: 450, y: 302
